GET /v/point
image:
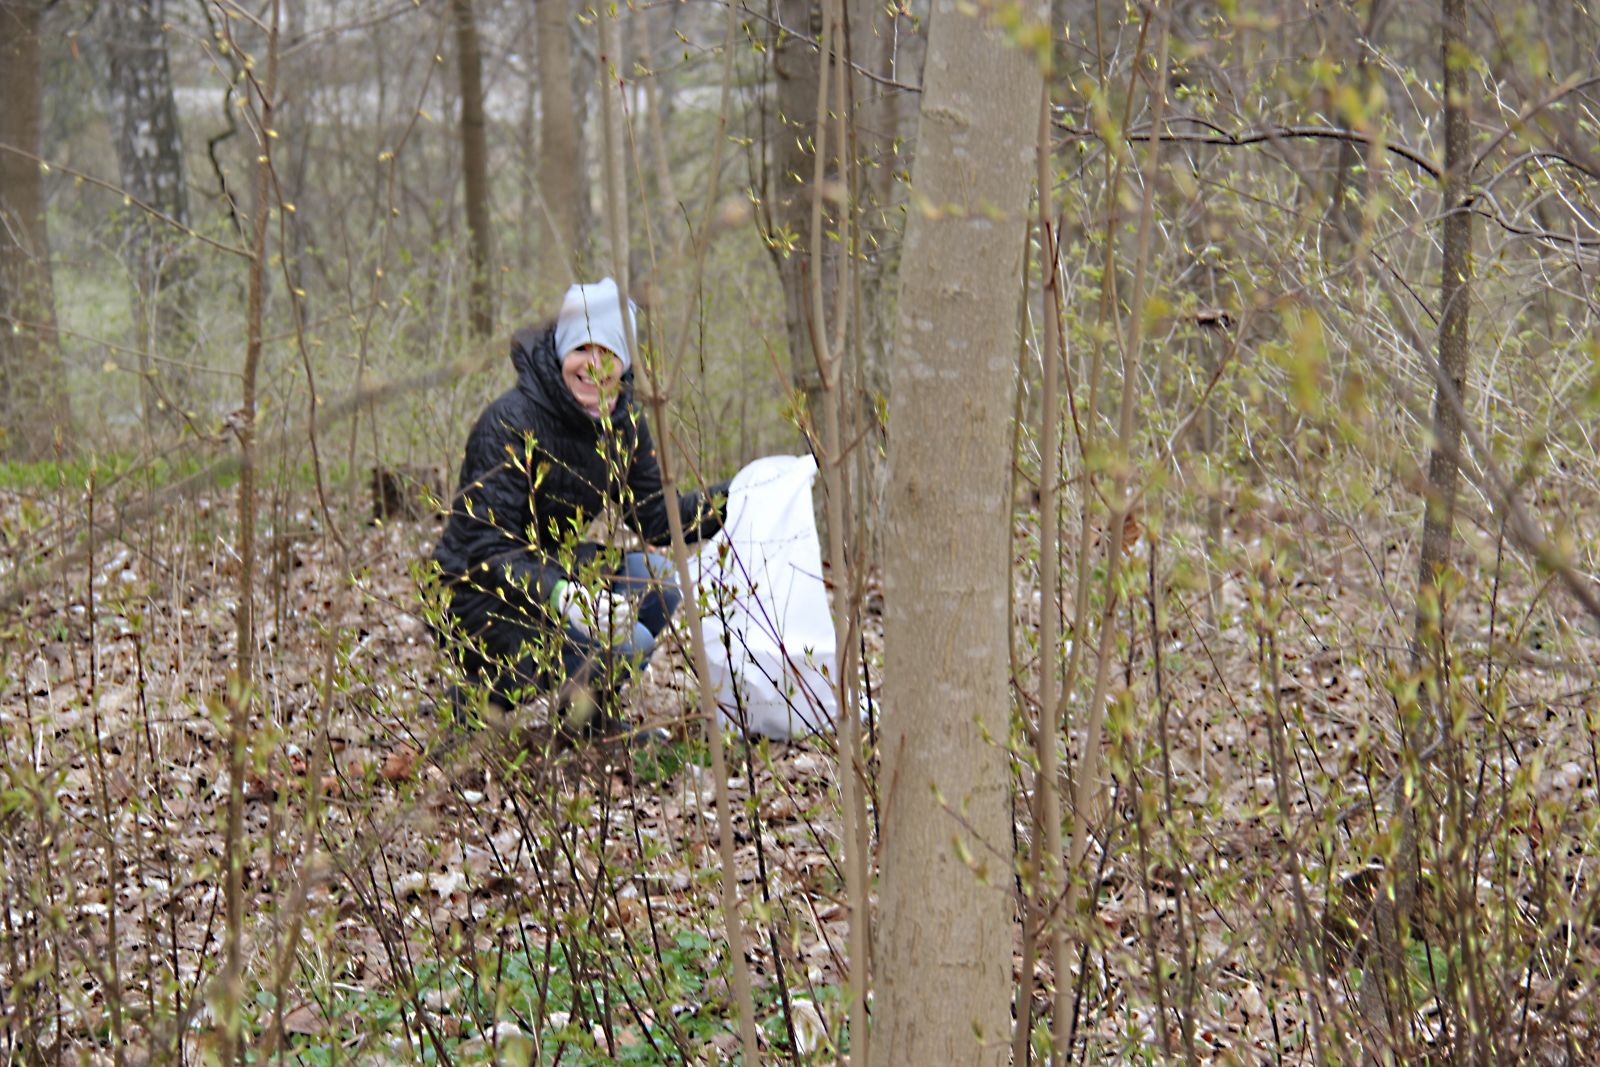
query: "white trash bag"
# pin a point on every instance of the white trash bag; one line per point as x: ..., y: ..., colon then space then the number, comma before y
x: 769, y: 634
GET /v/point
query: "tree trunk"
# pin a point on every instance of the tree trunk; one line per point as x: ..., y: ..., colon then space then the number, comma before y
x: 1438, y: 523
x: 798, y: 66
x: 150, y: 160
x: 33, y: 396
x: 944, y: 960
x: 527, y: 184
x: 667, y: 221
x: 474, y: 166
x: 614, y: 124
x: 1455, y: 297
x: 874, y: 186
x: 297, y: 126
x: 560, y: 177
x: 1345, y: 202
x: 239, y: 687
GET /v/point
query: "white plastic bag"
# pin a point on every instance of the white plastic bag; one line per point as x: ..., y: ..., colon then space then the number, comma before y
x: 769, y: 634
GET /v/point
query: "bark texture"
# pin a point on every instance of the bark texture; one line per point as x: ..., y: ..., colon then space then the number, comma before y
x: 798, y: 66
x: 1455, y: 296
x: 144, y: 119
x: 560, y: 173
x: 1391, y: 998
x: 33, y: 396
x: 882, y: 118
x: 944, y: 958
x: 667, y: 221
x: 474, y: 167
x: 618, y: 158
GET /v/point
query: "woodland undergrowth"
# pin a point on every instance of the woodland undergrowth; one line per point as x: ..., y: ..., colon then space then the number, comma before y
x: 477, y: 896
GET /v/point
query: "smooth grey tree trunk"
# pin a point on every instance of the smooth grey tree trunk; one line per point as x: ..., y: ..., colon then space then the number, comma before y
x: 667, y: 220
x: 529, y: 226
x: 33, y: 398
x: 944, y: 960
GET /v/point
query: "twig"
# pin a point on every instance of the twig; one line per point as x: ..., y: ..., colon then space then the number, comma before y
x: 112, y: 975
x: 239, y: 684
x: 1259, y: 135
x: 1086, y: 783
x: 156, y: 213
x: 819, y: 46
x: 830, y: 359
x: 729, y: 880
x: 1047, y: 803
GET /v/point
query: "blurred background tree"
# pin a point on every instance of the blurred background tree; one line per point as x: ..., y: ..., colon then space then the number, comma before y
x: 35, y: 408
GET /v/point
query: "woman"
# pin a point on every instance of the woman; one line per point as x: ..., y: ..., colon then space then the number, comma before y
x: 533, y: 605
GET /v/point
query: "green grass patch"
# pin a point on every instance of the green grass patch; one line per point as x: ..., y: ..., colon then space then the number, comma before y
x: 124, y: 471
x: 494, y: 1007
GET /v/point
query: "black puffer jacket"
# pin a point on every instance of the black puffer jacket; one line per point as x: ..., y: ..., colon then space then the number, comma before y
x: 538, y: 469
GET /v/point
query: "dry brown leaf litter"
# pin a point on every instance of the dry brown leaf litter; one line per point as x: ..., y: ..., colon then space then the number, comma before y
x: 446, y: 851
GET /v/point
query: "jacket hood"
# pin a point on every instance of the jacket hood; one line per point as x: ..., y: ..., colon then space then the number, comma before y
x: 533, y: 354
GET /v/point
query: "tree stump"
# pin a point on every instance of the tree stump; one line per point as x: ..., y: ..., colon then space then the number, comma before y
x: 412, y: 491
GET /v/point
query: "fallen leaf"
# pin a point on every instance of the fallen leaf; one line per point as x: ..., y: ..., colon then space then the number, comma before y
x: 779, y: 807
x: 400, y: 764
x: 303, y: 1020
x: 117, y: 786
x: 629, y: 911
x: 1132, y: 529
x: 261, y: 787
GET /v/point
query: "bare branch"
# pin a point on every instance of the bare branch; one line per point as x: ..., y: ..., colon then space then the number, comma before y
x: 131, y: 199
x: 1263, y: 134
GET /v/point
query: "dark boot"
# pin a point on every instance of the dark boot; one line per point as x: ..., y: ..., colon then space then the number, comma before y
x: 600, y: 714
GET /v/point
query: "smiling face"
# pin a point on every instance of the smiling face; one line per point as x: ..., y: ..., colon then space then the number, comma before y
x: 592, y: 374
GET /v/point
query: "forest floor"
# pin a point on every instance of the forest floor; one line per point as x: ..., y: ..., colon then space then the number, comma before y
x: 472, y: 900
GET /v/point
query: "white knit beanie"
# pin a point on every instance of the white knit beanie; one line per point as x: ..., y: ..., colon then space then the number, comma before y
x: 590, y: 314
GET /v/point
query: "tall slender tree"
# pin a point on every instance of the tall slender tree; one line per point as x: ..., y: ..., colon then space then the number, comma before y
x: 474, y: 166
x: 1455, y: 299
x: 1438, y: 523
x: 880, y: 114
x: 560, y: 179
x: 797, y: 64
x: 666, y: 189
x: 33, y: 396
x: 944, y: 959
x: 528, y: 225
x: 149, y: 141
x: 614, y: 130
x: 265, y: 92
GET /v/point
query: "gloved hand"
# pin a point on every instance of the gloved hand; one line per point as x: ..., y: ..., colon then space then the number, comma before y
x: 599, y: 614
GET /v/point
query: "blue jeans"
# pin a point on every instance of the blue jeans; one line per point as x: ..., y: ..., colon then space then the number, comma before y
x: 650, y: 583
x: 500, y: 630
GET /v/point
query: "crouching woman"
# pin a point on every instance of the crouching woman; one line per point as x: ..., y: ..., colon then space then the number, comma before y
x: 532, y: 607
